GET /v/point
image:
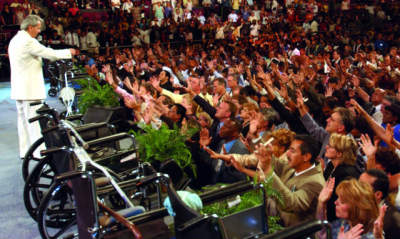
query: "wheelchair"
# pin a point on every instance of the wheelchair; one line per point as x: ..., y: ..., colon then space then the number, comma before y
x: 57, y: 209
x: 88, y: 126
x: 56, y: 159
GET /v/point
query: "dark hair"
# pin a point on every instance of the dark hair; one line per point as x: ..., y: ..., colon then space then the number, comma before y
x: 220, y: 81
x: 333, y: 80
x: 248, y: 91
x: 232, y: 109
x: 167, y: 74
x: 346, y: 117
x: 309, y: 145
x: 394, y: 109
x: 381, y: 182
x: 236, y: 125
x: 388, y: 160
x: 331, y: 102
x: 181, y: 110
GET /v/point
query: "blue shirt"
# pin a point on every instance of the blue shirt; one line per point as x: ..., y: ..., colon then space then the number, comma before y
x: 229, y: 145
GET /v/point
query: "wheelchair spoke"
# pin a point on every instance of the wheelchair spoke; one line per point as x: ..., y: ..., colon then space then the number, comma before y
x: 65, y: 228
x: 39, y: 185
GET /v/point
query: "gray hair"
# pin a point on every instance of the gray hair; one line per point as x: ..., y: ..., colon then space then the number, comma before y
x: 31, y: 20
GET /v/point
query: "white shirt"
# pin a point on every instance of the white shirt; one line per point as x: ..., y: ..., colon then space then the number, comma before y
x: 304, y: 171
x: 92, y: 40
x: 127, y: 6
x: 233, y: 17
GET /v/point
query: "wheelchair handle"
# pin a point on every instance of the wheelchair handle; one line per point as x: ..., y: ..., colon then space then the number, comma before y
x: 36, y: 118
x: 52, y: 150
x: 36, y: 103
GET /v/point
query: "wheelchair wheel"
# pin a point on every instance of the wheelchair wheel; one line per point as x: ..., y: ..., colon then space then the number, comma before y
x: 57, y: 212
x: 37, y: 185
x: 30, y: 161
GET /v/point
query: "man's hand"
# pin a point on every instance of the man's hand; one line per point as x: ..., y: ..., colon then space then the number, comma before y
x: 368, y: 147
x: 74, y: 52
x: 378, y: 224
x: 238, y: 166
x: 300, y: 103
x: 205, y: 138
x: 264, y: 156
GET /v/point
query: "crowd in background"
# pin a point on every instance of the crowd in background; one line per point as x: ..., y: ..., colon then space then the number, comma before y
x: 320, y: 78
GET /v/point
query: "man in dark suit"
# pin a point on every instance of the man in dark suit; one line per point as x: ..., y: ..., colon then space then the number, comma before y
x: 229, y: 144
x: 224, y: 111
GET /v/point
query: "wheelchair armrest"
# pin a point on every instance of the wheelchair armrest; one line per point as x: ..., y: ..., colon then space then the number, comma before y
x: 301, y: 230
x: 191, y: 223
x: 74, y: 117
x: 52, y: 150
x: 90, y: 126
x: 230, y: 190
x: 149, y: 179
x: 46, y: 110
x: 108, y: 139
x: 149, y: 216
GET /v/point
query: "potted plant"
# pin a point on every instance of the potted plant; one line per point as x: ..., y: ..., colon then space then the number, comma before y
x: 247, y: 200
x: 159, y: 145
x: 94, y: 94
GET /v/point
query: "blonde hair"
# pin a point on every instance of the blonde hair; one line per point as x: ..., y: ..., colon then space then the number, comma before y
x: 283, y: 137
x: 206, y: 117
x: 345, y: 145
x: 250, y: 106
x: 361, y: 199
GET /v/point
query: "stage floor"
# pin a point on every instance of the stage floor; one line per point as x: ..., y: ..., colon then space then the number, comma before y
x: 15, y: 221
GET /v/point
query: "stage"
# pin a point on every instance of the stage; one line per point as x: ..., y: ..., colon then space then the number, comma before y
x: 15, y: 221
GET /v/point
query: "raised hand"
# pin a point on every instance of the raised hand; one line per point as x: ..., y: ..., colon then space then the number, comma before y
x: 389, y: 133
x: 328, y: 91
x: 299, y: 98
x: 155, y: 82
x: 106, y: 68
x: 326, y: 191
x: 205, y: 138
x: 283, y: 91
x: 109, y: 78
x: 378, y: 224
x: 367, y: 146
x: 354, y: 232
x: 264, y: 156
x: 131, y: 103
x: 355, y: 81
x: 357, y: 106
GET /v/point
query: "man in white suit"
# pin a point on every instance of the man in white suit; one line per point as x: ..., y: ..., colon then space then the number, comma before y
x: 27, y: 83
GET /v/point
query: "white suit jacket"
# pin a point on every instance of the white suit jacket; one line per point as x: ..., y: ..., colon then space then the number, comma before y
x: 25, y: 54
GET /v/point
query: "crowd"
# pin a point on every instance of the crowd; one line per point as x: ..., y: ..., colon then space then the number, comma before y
x: 305, y: 92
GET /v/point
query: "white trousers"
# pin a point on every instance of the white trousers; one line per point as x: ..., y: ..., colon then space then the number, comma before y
x: 28, y: 133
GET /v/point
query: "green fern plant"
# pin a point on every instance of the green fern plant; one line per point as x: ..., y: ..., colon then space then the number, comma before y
x: 248, y: 200
x: 163, y: 144
x: 95, y: 94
